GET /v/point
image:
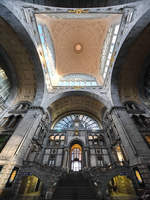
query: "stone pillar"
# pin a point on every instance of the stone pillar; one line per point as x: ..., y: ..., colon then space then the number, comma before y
x: 15, y: 150
x: 86, y: 157
x: 108, y: 145
x: 49, y: 193
x: 41, y: 153
x: 132, y: 141
x: 65, y: 158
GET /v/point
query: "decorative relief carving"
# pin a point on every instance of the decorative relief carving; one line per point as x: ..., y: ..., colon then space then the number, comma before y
x: 78, y: 11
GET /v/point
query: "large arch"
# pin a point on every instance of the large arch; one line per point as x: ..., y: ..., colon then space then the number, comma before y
x: 76, y: 101
x: 102, y: 178
x: 23, y: 56
x: 129, y: 62
x: 80, y: 3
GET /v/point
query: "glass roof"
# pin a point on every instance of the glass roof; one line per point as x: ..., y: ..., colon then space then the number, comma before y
x: 108, y: 49
x: 48, y: 51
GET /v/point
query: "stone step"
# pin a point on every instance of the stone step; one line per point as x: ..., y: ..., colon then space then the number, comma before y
x: 74, y: 188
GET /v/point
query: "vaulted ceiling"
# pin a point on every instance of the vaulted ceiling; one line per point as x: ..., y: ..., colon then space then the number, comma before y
x: 78, y: 41
x: 76, y: 103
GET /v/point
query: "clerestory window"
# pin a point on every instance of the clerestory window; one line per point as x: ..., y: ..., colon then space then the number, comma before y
x: 81, y: 80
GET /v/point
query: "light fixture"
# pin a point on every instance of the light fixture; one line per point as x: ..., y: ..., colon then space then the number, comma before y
x: 78, y: 48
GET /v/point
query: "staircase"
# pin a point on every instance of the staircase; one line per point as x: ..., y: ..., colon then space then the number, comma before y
x: 74, y: 187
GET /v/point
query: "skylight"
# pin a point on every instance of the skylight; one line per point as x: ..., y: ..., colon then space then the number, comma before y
x: 107, y: 52
x: 77, y: 80
x: 49, y: 55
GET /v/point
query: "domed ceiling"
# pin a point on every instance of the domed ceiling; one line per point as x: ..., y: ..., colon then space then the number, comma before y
x: 78, y: 40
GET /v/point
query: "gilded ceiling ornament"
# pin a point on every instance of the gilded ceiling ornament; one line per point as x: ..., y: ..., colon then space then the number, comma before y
x: 77, y: 87
x: 78, y: 11
x: 78, y: 48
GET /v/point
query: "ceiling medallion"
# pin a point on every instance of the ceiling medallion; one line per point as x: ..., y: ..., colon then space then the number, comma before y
x: 78, y: 48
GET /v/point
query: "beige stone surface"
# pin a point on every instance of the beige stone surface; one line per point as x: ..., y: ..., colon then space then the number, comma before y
x: 89, y: 33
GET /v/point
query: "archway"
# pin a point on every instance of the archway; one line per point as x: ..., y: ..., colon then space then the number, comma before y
x: 31, y: 186
x: 15, y: 33
x: 121, y: 186
x: 125, y: 81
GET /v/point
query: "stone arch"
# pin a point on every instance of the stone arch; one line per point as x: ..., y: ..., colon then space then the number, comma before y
x: 76, y: 141
x: 47, y: 176
x: 78, y: 144
x: 11, y: 74
x: 124, y: 82
x: 95, y: 95
x: 82, y: 3
x: 76, y: 101
x: 24, y: 46
x: 122, y: 171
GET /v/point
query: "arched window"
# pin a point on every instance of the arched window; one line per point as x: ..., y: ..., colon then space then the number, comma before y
x: 76, y: 122
x: 76, y: 157
x: 4, y: 86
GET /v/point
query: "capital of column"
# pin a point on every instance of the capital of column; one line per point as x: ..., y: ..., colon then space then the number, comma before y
x: 66, y: 149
